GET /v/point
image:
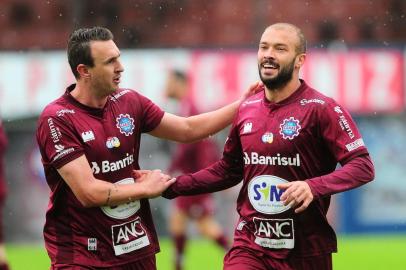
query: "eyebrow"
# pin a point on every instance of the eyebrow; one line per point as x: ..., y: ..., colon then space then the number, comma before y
x: 111, y: 58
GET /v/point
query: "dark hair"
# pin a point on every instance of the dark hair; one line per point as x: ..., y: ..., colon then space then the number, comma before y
x: 79, y: 46
x: 180, y: 75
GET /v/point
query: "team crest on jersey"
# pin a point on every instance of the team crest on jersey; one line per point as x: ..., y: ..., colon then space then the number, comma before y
x: 290, y: 128
x: 125, y: 124
x: 267, y: 137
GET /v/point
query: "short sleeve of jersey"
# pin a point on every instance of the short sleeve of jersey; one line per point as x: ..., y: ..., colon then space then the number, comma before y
x: 151, y: 114
x: 340, y: 132
x: 57, y: 141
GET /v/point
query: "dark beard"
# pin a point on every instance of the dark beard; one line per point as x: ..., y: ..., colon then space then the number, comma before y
x: 284, y: 76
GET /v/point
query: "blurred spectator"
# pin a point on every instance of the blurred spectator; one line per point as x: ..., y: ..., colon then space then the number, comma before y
x: 189, y: 158
x: 3, y: 143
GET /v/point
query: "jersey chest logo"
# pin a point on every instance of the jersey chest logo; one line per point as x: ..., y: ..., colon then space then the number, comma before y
x: 125, y: 124
x: 289, y: 128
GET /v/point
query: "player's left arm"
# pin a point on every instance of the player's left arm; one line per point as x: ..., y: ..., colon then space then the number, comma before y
x: 341, y: 135
x: 354, y: 173
x: 197, y: 127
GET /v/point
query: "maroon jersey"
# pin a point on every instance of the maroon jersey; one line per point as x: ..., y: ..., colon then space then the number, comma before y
x: 3, y: 145
x: 300, y: 138
x: 110, y: 140
x: 190, y: 158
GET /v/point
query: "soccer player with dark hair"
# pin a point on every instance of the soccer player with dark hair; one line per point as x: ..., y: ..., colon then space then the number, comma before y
x: 285, y: 143
x: 89, y: 138
x: 189, y: 158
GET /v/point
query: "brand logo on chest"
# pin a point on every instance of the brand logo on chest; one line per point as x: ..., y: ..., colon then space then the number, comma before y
x: 125, y: 124
x: 290, y: 128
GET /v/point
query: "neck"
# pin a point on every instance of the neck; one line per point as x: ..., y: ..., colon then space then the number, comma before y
x: 277, y: 95
x: 87, y: 95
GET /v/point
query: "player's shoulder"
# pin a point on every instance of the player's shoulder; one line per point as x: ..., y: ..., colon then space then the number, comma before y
x: 57, y: 108
x: 124, y: 95
x: 315, y: 99
x: 253, y: 101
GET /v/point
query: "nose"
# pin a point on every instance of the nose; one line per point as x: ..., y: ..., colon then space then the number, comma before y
x: 120, y: 67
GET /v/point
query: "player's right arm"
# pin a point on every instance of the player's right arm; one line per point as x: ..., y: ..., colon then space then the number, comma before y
x: 223, y: 174
x: 92, y: 192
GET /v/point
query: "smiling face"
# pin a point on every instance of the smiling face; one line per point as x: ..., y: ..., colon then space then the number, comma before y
x: 106, y: 73
x: 279, y: 55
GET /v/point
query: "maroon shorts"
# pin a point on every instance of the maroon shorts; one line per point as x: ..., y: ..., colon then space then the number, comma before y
x: 196, y: 206
x: 243, y: 259
x: 148, y: 263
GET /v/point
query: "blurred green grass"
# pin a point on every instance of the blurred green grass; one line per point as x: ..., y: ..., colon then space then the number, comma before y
x: 367, y: 252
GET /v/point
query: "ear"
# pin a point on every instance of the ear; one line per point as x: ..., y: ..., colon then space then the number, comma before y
x: 300, y: 59
x: 83, y: 71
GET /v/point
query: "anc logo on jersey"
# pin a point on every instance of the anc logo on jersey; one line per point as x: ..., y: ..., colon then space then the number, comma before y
x: 290, y: 128
x: 125, y: 124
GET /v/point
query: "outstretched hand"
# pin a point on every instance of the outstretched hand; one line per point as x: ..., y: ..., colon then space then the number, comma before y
x: 152, y: 182
x: 253, y: 89
x: 298, y: 194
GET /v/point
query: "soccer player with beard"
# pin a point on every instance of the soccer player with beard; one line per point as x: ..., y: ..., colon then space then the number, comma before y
x: 89, y: 138
x: 285, y: 143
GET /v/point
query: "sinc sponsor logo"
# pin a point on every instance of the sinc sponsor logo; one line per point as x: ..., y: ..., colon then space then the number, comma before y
x: 267, y: 137
x: 264, y: 195
x: 125, y: 124
x: 289, y: 128
x: 274, y: 233
x: 107, y: 166
x: 307, y: 101
x: 64, y: 111
x: 112, y: 142
x: 125, y: 210
x: 355, y: 144
x: 129, y: 236
x: 278, y: 160
x: 54, y: 131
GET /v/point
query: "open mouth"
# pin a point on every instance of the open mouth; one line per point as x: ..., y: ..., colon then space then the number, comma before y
x: 116, y: 80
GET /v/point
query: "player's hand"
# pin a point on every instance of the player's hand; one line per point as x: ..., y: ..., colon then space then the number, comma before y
x: 253, y: 89
x: 136, y: 174
x: 153, y: 183
x: 297, y: 193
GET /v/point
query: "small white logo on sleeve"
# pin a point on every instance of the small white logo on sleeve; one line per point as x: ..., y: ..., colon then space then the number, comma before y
x: 92, y: 244
x: 87, y: 136
x: 355, y: 144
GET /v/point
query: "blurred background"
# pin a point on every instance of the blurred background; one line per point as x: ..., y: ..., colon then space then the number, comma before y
x: 356, y: 55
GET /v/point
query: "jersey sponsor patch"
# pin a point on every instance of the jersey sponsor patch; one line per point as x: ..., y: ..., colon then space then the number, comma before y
x: 129, y: 236
x: 124, y: 210
x: 112, y: 142
x: 289, y: 128
x: 264, y: 195
x: 125, y: 124
x: 355, y: 144
x: 107, y: 166
x: 274, y: 233
x: 267, y: 137
x: 256, y: 159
